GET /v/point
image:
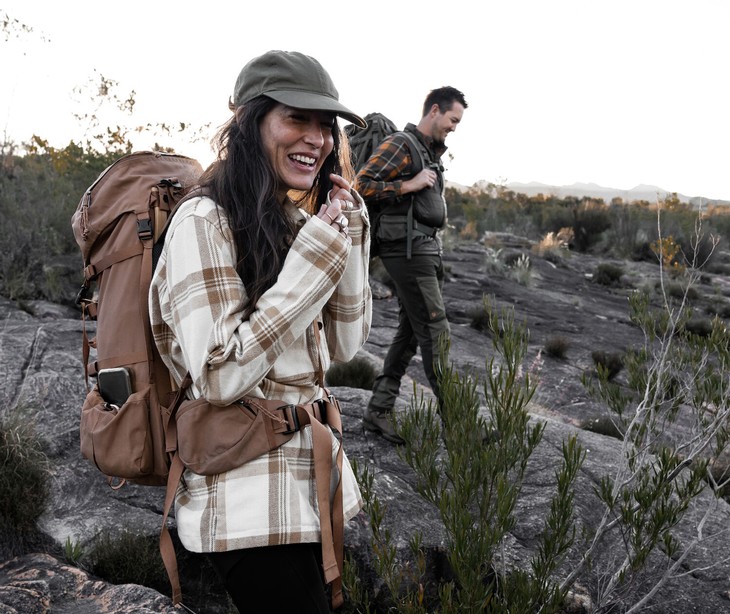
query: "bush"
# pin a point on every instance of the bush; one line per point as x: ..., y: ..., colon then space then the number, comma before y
x: 608, y: 274
x: 557, y: 347
x: 699, y: 326
x: 129, y: 558
x: 24, y: 479
x: 357, y: 373
x: 610, y: 362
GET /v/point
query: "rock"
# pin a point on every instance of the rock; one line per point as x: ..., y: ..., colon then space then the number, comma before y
x: 41, y: 374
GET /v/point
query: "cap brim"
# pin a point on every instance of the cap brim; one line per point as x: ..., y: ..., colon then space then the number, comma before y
x: 315, y: 102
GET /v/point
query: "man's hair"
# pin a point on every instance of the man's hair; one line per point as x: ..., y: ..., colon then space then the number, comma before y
x: 444, y: 97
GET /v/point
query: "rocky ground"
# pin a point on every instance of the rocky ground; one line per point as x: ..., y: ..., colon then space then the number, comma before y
x: 40, y: 367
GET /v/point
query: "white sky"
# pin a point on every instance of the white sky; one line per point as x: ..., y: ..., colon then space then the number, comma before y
x: 618, y: 93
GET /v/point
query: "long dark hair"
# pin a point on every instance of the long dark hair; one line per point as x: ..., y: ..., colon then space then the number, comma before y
x: 243, y: 183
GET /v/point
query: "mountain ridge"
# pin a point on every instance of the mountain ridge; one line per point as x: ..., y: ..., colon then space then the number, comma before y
x: 641, y: 192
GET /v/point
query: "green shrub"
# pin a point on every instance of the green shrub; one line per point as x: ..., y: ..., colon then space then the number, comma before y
x: 357, y: 373
x: 24, y: 484
x: 610, y: 362
x: 591, y: 220
x: 699, y: 326
x: 608, y: 274
x: 557, y: 347
x: 128, y: 557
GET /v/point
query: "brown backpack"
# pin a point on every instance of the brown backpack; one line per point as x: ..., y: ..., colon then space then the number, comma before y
x: 115, y: 225
x: 132, y: 416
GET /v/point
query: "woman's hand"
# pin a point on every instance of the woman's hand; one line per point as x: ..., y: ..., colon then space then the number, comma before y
x: 340, y: 199
x: 342, y: 190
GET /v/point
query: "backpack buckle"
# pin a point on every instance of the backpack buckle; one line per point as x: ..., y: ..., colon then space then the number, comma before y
x: 144, y: 228
x: 291, y: 418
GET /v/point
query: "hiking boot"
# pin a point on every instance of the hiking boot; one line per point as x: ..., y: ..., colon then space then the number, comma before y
x: 381, y: 422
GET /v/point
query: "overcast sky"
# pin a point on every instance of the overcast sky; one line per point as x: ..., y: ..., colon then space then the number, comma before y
x: 617, y: 93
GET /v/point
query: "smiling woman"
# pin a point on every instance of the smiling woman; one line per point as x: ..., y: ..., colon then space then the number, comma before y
x: 262, y: 282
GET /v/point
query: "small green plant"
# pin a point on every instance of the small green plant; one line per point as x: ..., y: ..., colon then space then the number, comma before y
x: 357, y: 373
x: 24, y: 482
x: 608, y: 274
x: 521, y: 270
x: 609, y: 363
x: 73, y: 551
x: 402, y: 580
x: 128, y: 557
x: 557, y: 347
x: 699, y: 326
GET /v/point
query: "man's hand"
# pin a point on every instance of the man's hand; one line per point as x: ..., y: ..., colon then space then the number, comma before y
x: 425, y: 179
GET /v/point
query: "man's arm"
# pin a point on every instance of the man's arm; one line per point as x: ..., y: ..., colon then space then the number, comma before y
x: 381, y: 177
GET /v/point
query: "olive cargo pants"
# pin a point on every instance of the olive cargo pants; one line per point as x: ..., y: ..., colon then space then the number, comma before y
x: 421, y: 322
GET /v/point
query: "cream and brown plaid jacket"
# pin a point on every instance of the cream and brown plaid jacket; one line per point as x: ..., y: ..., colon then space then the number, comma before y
x: 195, y: 307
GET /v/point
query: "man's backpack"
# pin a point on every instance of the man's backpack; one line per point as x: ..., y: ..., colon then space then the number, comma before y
x: 363, y: 142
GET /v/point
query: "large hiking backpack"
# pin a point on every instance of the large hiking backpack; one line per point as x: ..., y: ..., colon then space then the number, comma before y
x: 115, y: 226
x: 363, y: 142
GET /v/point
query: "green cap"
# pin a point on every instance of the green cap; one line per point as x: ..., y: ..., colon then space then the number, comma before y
x: 293, y: 79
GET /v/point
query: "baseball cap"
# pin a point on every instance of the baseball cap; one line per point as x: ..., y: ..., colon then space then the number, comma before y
x: 293, y: 79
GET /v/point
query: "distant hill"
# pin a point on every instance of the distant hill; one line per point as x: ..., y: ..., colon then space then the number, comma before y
x: 648, y: 193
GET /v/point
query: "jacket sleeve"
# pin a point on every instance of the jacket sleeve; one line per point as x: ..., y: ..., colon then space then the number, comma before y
x: 381, y: 177
x: 348, y: 314
x: 227, y: 356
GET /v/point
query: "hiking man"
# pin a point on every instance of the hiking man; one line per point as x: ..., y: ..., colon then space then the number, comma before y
x: 409, y: 185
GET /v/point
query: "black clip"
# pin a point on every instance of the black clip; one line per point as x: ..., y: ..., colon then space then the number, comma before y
x: 291, y: 418
x: 144, y: 229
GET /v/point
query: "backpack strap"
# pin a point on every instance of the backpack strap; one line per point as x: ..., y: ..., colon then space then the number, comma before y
x: 419, y: 163
x: 167, y: 550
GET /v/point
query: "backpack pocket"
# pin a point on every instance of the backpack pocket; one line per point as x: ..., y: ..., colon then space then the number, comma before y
x: 118, y: 440
x: 392, y: 228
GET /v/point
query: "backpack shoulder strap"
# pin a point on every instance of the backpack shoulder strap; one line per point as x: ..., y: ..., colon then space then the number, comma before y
x: 417, y: 151
x: 160, y: 239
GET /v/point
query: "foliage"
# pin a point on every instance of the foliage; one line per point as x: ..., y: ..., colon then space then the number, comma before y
x: 475, y: 483
x: 557, y: 347
x: 357, y: 373
x: 73, y: 551
x: 608, y: 364
x: 404, y: 589
x: 676, y: 381
x: 608, y: 274
x: 128, y: 557
x: 24, y: 482
x: 40, y: 189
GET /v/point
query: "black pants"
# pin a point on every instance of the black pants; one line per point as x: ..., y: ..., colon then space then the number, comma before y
x: 274, y: 579
x: 421, y: 323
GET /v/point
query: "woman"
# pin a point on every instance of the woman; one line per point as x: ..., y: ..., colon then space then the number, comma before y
x: 263, y: 281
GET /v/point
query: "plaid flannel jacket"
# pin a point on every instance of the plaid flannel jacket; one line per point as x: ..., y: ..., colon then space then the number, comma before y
x: 195, y: 306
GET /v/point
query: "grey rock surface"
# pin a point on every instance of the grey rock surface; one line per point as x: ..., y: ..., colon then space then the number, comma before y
x: 41, y: 373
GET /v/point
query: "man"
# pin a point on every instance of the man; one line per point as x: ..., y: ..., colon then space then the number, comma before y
x: 404, y: 177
